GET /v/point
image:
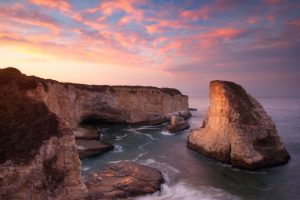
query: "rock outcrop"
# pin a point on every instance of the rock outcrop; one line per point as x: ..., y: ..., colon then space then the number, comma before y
x: 86, y: 133
x: 123, y: 180
x: 88, y: 143
x: 89, y: 148
x: 112, y: 104
x: 237, y: 130
x: 177, y: 124
x: 38, y: 159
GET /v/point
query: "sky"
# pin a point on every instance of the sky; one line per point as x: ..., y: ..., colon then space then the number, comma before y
x: 165, y: 43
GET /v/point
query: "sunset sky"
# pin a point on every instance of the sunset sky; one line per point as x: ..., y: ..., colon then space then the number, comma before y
x: 165, y: 43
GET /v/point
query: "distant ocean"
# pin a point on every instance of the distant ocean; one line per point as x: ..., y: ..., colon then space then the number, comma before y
x: 190, y: 176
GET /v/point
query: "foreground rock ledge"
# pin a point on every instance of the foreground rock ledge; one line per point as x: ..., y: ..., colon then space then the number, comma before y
x: 237, y: 130
x: 123, y: 180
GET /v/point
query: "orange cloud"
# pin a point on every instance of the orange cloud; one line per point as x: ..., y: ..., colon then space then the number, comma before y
x: 108, y: 7
x: 62, y: 5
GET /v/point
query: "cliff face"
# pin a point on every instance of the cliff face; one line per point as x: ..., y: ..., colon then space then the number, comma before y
x: 81, y: 103
x: 54, y: 173
x: 38, y: 159
x: 237, y: 130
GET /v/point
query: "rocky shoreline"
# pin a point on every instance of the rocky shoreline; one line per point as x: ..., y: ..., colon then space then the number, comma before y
x: 43, y: 162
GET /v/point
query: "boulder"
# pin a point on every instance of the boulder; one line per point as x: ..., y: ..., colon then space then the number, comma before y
x: 177, y: 124
x: 90, y: 148
x: 237, y: 130
x: 123, y: 180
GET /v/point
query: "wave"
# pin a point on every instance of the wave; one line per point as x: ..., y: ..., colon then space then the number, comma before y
x: 183, y: 191
x: 168, y: 171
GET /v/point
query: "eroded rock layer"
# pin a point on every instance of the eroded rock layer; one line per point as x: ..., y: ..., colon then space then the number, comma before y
x: 123, y: 180
x: 113, y: 104
x: 237, y: 130
x: 38, y: 159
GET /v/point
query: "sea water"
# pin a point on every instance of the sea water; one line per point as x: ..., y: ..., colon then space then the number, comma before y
x: 191, y: 176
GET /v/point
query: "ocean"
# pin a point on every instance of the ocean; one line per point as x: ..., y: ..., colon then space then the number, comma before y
x: 191, y: 176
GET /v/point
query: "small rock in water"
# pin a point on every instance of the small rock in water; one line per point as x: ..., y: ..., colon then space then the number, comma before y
x: 177, y: 124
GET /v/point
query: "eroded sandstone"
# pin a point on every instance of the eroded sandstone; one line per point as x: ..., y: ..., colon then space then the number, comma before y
x: 177, y: 124
x: 38, y: 159
x: 237, y: 130
x: 123, y: 180
x: 113, y: 104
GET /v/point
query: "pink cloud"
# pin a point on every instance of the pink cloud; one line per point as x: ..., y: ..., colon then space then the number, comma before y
x: 274, y: 2
x: 252, y: 20
x: 19, y: 14
x: 108, y: 7
x: 62, y: 5
x: 206, y: 11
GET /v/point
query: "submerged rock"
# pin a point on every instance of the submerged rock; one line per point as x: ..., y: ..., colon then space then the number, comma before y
x: 123, y: 180
x: 237, y: 130
x: 177, y: 124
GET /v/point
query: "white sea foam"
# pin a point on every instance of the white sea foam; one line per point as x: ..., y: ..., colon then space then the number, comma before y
x: 85, y: 168
x: 164, y: 167
x: 183, y: 191
x: 166, y: 132
x: 133, y: 130
x: 121, y: 137
x: 143, y: 145
x: 140, y: 155
x: 149, y: 136
x: 147, y: 127
x: 118, y: 148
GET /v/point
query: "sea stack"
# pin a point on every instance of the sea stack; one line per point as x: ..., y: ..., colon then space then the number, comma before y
x: 237, y: 130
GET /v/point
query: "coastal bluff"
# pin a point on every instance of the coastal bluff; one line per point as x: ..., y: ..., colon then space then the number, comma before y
x: 38, y: 119
x: 38, y: 158
x: 78, y: 103
x: 237, y: 130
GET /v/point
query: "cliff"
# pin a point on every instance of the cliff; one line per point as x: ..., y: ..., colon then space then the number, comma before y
x: 76, y: 103
x: 237, y: 130
x: 38, y: 159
